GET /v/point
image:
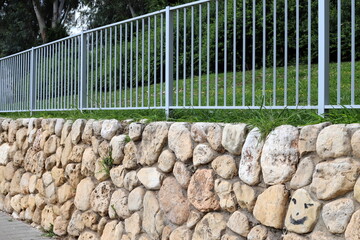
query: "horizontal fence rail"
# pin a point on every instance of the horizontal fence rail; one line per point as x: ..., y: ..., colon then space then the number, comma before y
x: 208, y: 54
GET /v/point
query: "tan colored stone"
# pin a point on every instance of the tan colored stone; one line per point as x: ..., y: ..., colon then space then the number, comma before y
x: 77, y: 153
x: 308, y: 137
x: 340, y: 174
x: 32, y: 183
x: 59, y: 126
x: 77, y: 130
x: 24, y: 183
x: 223, y: 189
x: 180, y: 141
x: 15, y: 203
x: 203, y: 154
x: 336, y: 214
x: 224, y: 166
x: 117, y: 175
x: 104, y: 149
x: 76, y: 225
x: 113, y: 231
x: 135, y: 199
x: 65, y: 131
x: 182, y: 174
x: 65, y: 192
x: 150, y: 177
x: 245, y: 196
x: 199, y: 131
x: 83, y: 192
x: 47, y: 217
x: 135, y: 131
x: 118, y: 206
x: 151, y: 209
x: 201, y: 191
x: 355, y: 143
x: 130, y: 159
x: 90, y: 219
x: 60, y: 226
x: 133, y: 225
x: 280, y: 155
x: 20, y: 137
x: 73, y: 173
x: 88, y: 132
x: 67, y: 209
x: 353, y: 231
x: 249, y: 166
x: 153, y: 140
x: 233, y: 137
x: 193, y: 219
x: 66, y: 151
x: 214, y: 136
x: 88, y: 162
x: 15, y: 182
x: 117, y: 145
x: 100, y: 197
x: 271, y: 205
x: 357, y: 190
x: 166, y: 161
x: 259, y: 232
x: 181, y: 233
x: 304, y: 172
x: 166, y: 232
x: 58, y: 174
x: 210, y: 227
x: 173, y: 201
x: 302, y: 213
x: 293, y: 236
x: 333, y: 142
x: 50, y: 162
x: 97, y: 126
x: 9, y: 171
x: 131, y: 180
x: 110, y: 128
x: 101, y: 170
x: 239, y: 223
x: 18, y: 159
x: 89, y: 235
x: 51, y: 145
x: 4, y: 153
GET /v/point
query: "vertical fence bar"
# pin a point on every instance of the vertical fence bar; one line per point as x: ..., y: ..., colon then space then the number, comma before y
x: 192, y: 58
x: 253, y: 50
x: 309, y: 52
x: 234, y: 53
x: 216, y: 51
x: 169, y: 61
x: 83, y: 73
x: 200, y: 45
x: 264, y: 50
x: 225, y: 51
x: 243, y: 52
x: 323, y: 45
x: 297, y: 51
x: 274, y: 57
x: 353, y: 52
x: 338, y: 95
x: 208, y: 56
x: 32, y: 80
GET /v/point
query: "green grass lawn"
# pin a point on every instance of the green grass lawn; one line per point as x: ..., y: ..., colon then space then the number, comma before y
x: 264, y: 118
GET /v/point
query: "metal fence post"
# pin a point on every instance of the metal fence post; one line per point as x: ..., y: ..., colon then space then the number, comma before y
x: 169, y: 61
x: 32, y: 81
x: 83, y: 73
x: 323, y: 58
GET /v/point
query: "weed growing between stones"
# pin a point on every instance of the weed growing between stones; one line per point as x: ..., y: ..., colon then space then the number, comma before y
x: 49, y: 233
x: 107, y: 163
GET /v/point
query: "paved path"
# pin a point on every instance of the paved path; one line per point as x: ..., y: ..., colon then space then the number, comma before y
x: 11, y: 229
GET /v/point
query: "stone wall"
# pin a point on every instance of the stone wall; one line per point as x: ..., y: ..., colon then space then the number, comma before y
x: 180, y: 180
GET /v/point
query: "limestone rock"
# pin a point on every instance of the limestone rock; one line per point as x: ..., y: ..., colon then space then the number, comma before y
x: 245, y: 196
x: 60, y: 226
x: 119, y: 204
x: 223, y: 189
x: 51, y: 145
x: 58, y: 174
x: 333, y: 142
x: 59, y: 126
x: 280, y: 155
x: 24, y: 183
x: 101, y: 170
x: 117, y: 175
x: 355, y: 143
x: 173, y: 201
x: 239, y: 223
x: 100, y: 197
x: 233, y: 137
x: 135, y: 199
x: 201, y: 191
x: 357, y: 190
x: 181, y: 233
x: 135, y: 131
x: 150, y: 177
x: 65, y: 131
x: 224, y: 166
x: 77, y: 130
x: 15, y: 182
x: 182, y: 174
x: 336, y: 214
x: 77, y: 153
x: 117, y: 144
x: 88, y: 162
x: 151, y: 209
x: 293, y: 236
x: 110, y: 128
x: 259, y: 232
x: 271, y: 205
x: 9, y: 171
x: 88, y: 132
x: 76, y: 225
x: 249, y: 166
x: 319, y: 235
x: 214, y: 136
x: 180, y: 141
x: 304, y: 172
x: 90, y: 219
x: 166, y: 161
x: 83, y: 191
x: 308, y: 137
x: 73, y: 174
x: 130, y: 155
x: 112, y: 231
x: 302, y: 213
x: 353, y: 231
x: 66, y: 151
x: 131, y: 181
x: 88, y: 235
x: 97, y: 126
x: 47, y: 217
x: 203, y: 154
x: 199, y: 132
x: 4, y: 153
x: 340, y: 174
x: 153, y: 140
x: 133, y: 225
x: 65, y: 192
x: 103, y: 149
x: 210, y: 227
x: 67, y: 209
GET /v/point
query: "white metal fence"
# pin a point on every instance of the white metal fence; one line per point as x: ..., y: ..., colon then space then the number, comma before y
x: 201, y: 55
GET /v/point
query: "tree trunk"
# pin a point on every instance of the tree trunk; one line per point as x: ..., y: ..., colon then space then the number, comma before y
x: 41, y: 22
x: 55, y: 14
